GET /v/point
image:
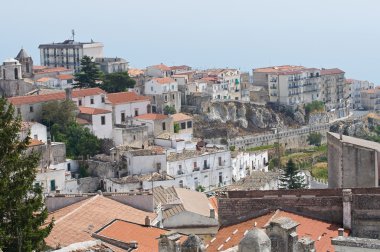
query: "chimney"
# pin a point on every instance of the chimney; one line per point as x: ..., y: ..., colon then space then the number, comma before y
x: 69, y: 93
x: 147, y: 221
x: 340, y: 231
x: 212, y: 213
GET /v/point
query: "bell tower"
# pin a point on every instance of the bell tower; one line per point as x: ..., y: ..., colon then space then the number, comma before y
x: 26, y: 63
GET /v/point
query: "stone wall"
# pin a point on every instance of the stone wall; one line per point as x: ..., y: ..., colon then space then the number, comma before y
x: 360, y: 209
x: 10, y: 88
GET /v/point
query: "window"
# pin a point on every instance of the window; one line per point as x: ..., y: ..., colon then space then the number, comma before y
x: 92, y: 100
x: 122, y: 117
x: 158, y: 166
x: 181, y: 183
x: 52, y: 185
x: 183, y: 125
x: 166, y: 98
x: 16, y: 73
x: 221, y: 177
x: 195, y: 164
x: 220, y: 161
x: 154, y: 99
x: 103, y: 99
x: 189, y: 124
x: 163, y: 126
x: 80, y: 102
x: 4, y: 74
x: 35, y: 137
x: 204, y: 164
x: 31, y: 110
x: 69, y: 166
x: 134, y: 137
x: 103, y: 120
x: 19, y: 111
x: 173, y: 97
x: 136, y: 112
x: 151, y: 88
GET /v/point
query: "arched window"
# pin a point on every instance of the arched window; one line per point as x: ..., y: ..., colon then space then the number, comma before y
x: 16, y: 73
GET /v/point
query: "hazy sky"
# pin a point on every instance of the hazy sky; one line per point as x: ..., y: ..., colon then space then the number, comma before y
x: 206, y: 33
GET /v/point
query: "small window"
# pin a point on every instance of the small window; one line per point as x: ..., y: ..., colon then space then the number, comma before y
x: 163, y: 126
x: 166, y: 98
x: 103, y: 99
x: 35, y: 137
x: 181, y: 183
x: 134, y: 137
x: 103, y: 120
x: 31, y: 109
x: 68, y: 166
x: 183, y: 125
x: 220, y: 161
x: 136, y: 112
x: 189, y: 124
x: 122, y: 117
x: 19, y: 111
x: 80, y: 102
x: 195, y: 164
x: 92, y: 100
x: 173, y: 97
x: 151, y: 88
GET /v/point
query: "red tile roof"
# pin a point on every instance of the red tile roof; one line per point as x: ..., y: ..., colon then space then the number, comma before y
x: 145, y: 236
x: 214, y: 203
x: 321, y: 232
x: 276, y: 69
x: 65, y: 77
x: 125, y: 97
x: 44, y: 79
x: 162, y: 67
x: 152, y: 117
x: 135, y: 72
x: 35, y: 142
x: 181, y: 117
x: 93, y: 111
x: 165, y: 80
x: 41, y: 69
x: 331, y: 71
x: 77, y: 222
x: 82, y: 121
x: 31, y: 99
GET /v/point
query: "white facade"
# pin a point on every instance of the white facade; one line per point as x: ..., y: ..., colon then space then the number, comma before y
x: 11, y: 70
x: 356, y: 87
x: 35, y: 130
x: 92, y: 101
x: 142, y: 164
x: 123, y: 111
x: 209, y: 169
x: 245, y: 162
x: 197, y: 87
x: 101, y: 125
x: 159, y: 86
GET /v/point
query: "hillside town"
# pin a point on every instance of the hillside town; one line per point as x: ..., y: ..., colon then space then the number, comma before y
x: 174, y: 158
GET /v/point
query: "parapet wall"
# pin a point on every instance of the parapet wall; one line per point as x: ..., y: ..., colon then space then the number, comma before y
x: 322, y: 204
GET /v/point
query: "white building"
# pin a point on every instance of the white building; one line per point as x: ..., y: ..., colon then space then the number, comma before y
x: 99, y: 121
x: 112, y: 65
x: 127, y: 105
x: 163, y: 92
x: 209, y: 168
x: 356, y: 87
x: 145, y: 161
x: 36, y: 131
x: 69, y: 53
x: 244, y: 163
x: 158, y: 71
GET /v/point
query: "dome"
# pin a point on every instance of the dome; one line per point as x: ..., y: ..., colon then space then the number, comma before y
x: 255, y: 240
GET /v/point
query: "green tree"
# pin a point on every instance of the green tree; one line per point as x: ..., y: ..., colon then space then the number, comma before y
x: 176, y: 127
x: 61, y: 113
x: 314, y: 138
x: 169, y: 110
x: 22, y: 209
x: 291, y: 179
x: 89, y: 74
x: 117, y: 82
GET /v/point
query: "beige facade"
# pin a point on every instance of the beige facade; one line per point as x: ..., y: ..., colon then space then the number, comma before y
x: 370, y: 99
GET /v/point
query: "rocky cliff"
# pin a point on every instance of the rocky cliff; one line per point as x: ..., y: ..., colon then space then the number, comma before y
x: 236, y: 118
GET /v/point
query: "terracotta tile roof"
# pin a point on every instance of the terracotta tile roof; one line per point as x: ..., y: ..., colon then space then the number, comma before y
x: 82, y: 121
x: 125, y: 232
x: 77, y: 222
x: 41, y: 69
x: 165, y: 80
x: 235, y: 232
x: 321, y: 232
x: 35, y: 142
x: 44, y: 79
x: 275, y: 69
x: 125, y: 97
x: 152, y: 117
x: 181, y: 117
x: 65, y: 77
x: 31, y: 99
x: 179, y: 67
x: 331, y: 71
x: 93, y: 111
x: 162, y: 67
x: 135, y: 72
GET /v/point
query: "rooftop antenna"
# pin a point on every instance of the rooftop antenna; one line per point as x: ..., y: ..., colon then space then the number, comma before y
x: 73, y: 34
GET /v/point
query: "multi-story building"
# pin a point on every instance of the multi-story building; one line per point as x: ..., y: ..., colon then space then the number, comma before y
x: 243, y: 163
x: 331, y: 89
x: 69, y: 53
x: 163, y: 92
x: 112, y: 65
x: 158, y: 71
x: 370, y: 99
x: 356, y: 87
x: 260, y: 76
x: 207, y: 167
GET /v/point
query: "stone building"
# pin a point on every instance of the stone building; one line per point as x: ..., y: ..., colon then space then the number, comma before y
x: 26, y: 63
x: 112, y: 65
x: 352, y: 162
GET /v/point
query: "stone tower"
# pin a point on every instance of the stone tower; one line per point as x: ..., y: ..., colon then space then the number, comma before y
x: 26, y: 63
x: 11, y: 70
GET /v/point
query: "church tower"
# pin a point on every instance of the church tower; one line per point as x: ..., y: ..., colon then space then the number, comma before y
x: 26, y: 62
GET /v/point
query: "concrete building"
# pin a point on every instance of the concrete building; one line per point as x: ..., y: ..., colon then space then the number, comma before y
x: 208, y: 168
x: 370, y: 99
x: 157, y: 123
x: 158, y: 71
x: 185, y: 126
x: 69, y: 53
x: 357, y: 86
x: 244, y: 163
x: 352, y: 162
x: 98, y: 121
x: 163, y: 92
x: 112, y: 65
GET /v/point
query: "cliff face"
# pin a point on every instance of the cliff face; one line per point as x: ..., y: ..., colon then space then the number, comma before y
x: 237, y: 119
